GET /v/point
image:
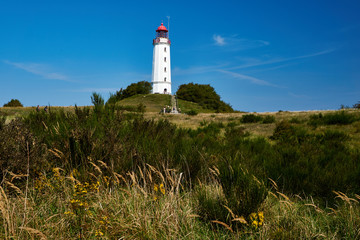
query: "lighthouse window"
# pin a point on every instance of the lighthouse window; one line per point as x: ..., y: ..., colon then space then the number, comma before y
x: 164, y: 69
x: 164, y: 79
x: 164, y: 59
x: 164, y: 49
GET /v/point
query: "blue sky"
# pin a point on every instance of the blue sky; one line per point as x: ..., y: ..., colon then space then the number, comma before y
x: 258, y: 55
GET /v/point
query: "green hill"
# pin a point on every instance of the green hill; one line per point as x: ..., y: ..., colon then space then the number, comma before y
x: 156, y: 102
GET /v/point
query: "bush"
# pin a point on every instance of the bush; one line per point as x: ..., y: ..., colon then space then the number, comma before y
x: 192, y: 112
x: 357, y: 105
x: 210, y: 203
x: 204, y: 95
x: 312, y: 164
x: 268, y: 119
x: 336, y: 118
x: 243, y: 191
x: 142, y: 87
x: 13, y: 103
x: 251, y: 118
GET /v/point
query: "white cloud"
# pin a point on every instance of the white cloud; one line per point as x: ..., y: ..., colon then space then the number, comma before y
x: 220, y: 41
x: 249, y: 78
x: 176, y: 71
x: 38, y: 69
x: 279, y: 60
x: 234, y: 43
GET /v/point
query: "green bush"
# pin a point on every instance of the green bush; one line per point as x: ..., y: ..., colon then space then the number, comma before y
x: 192, y: 112
x: 13, y: 103
x: 142, y: 87
x: 339, y: 118
x: 243, y: 191
x: 312, y: 163
x: 251, y: 118
x: 268, y: 119
x: 210, y: 203
x: 357, y: 105
x: 204, y: 95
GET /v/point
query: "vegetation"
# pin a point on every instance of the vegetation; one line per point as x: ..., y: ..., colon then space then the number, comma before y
x: 13, y: 103
x: 357, y: 105
x: 100, y: 172
x: 204, y: 95
x: 142, y: 87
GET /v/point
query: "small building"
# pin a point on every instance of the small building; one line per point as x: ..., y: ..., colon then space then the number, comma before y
x: 161, y: 71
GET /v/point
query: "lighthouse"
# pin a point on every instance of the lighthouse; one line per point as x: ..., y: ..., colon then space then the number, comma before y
x: 161, y: 72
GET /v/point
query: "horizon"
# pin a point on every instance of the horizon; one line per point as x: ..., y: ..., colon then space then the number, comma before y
x: 258, y: 56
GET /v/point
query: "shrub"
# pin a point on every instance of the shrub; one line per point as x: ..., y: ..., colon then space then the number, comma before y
x: 204, y: 95
x: 13, y: 103
x: 268, y: 119
x: 339, y: 118
x: 243, y: 191
x: 295, y: 120
x: 210, y: 203
x: 142, y: 87
x: 357, y: 105
x: 192, y: 112
x: 251, y: 118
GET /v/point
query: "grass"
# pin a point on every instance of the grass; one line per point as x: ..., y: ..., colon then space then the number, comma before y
x: 133, y: 208
x: 105, y: 174
x: 156, y: 102
x: 153, y: 102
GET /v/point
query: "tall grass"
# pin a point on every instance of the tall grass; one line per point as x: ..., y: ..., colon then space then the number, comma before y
x: 104, y: 173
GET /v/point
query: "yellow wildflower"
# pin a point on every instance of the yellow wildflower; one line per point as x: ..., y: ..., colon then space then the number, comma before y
x: 156, y: 188
x: 255, y: 224
x: 162, y: 189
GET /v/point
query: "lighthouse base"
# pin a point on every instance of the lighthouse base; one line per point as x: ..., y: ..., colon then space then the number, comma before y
x: 161, y: 87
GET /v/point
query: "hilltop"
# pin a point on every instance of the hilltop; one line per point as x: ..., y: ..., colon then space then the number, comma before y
x: 156, y: 102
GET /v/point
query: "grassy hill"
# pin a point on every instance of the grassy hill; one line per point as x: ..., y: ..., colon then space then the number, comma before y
x: 156, y: 102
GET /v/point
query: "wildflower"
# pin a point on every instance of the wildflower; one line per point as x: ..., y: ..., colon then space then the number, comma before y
x: 255, y: 224
x: 156, y: 188
x: 162, y: 189
x: 99, y: 233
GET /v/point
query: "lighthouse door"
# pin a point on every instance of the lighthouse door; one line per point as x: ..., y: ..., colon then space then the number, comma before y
x: 165, y: 90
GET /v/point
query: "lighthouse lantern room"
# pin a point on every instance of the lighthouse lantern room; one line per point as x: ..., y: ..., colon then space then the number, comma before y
x: 161, y: 72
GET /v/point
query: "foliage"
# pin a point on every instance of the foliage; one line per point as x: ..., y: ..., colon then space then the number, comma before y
x: 142, y: 87
x: 243, y: 191
x: 13, y: 103
x: 251, y: 118
x: 204, y: 95
x: 114, y: 173
x: 357, y: 105
x: 192, y: 112
x: 339, y: 117
x: 313, y: 163
x: 268, y: 119
x: 98, y: 102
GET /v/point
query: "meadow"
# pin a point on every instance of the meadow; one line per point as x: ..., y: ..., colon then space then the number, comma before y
x: 103, y: 172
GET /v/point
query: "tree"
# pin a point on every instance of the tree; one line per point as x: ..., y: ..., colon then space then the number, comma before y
x: 13, y: 103
x: 204, y: 95
x: 357, y: 105
x: 142, y: 87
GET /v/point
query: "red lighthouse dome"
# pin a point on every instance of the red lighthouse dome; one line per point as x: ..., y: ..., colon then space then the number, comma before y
x: 161, y: 28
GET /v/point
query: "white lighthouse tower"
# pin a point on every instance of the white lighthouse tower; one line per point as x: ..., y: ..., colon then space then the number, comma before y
x: 161, y: 72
